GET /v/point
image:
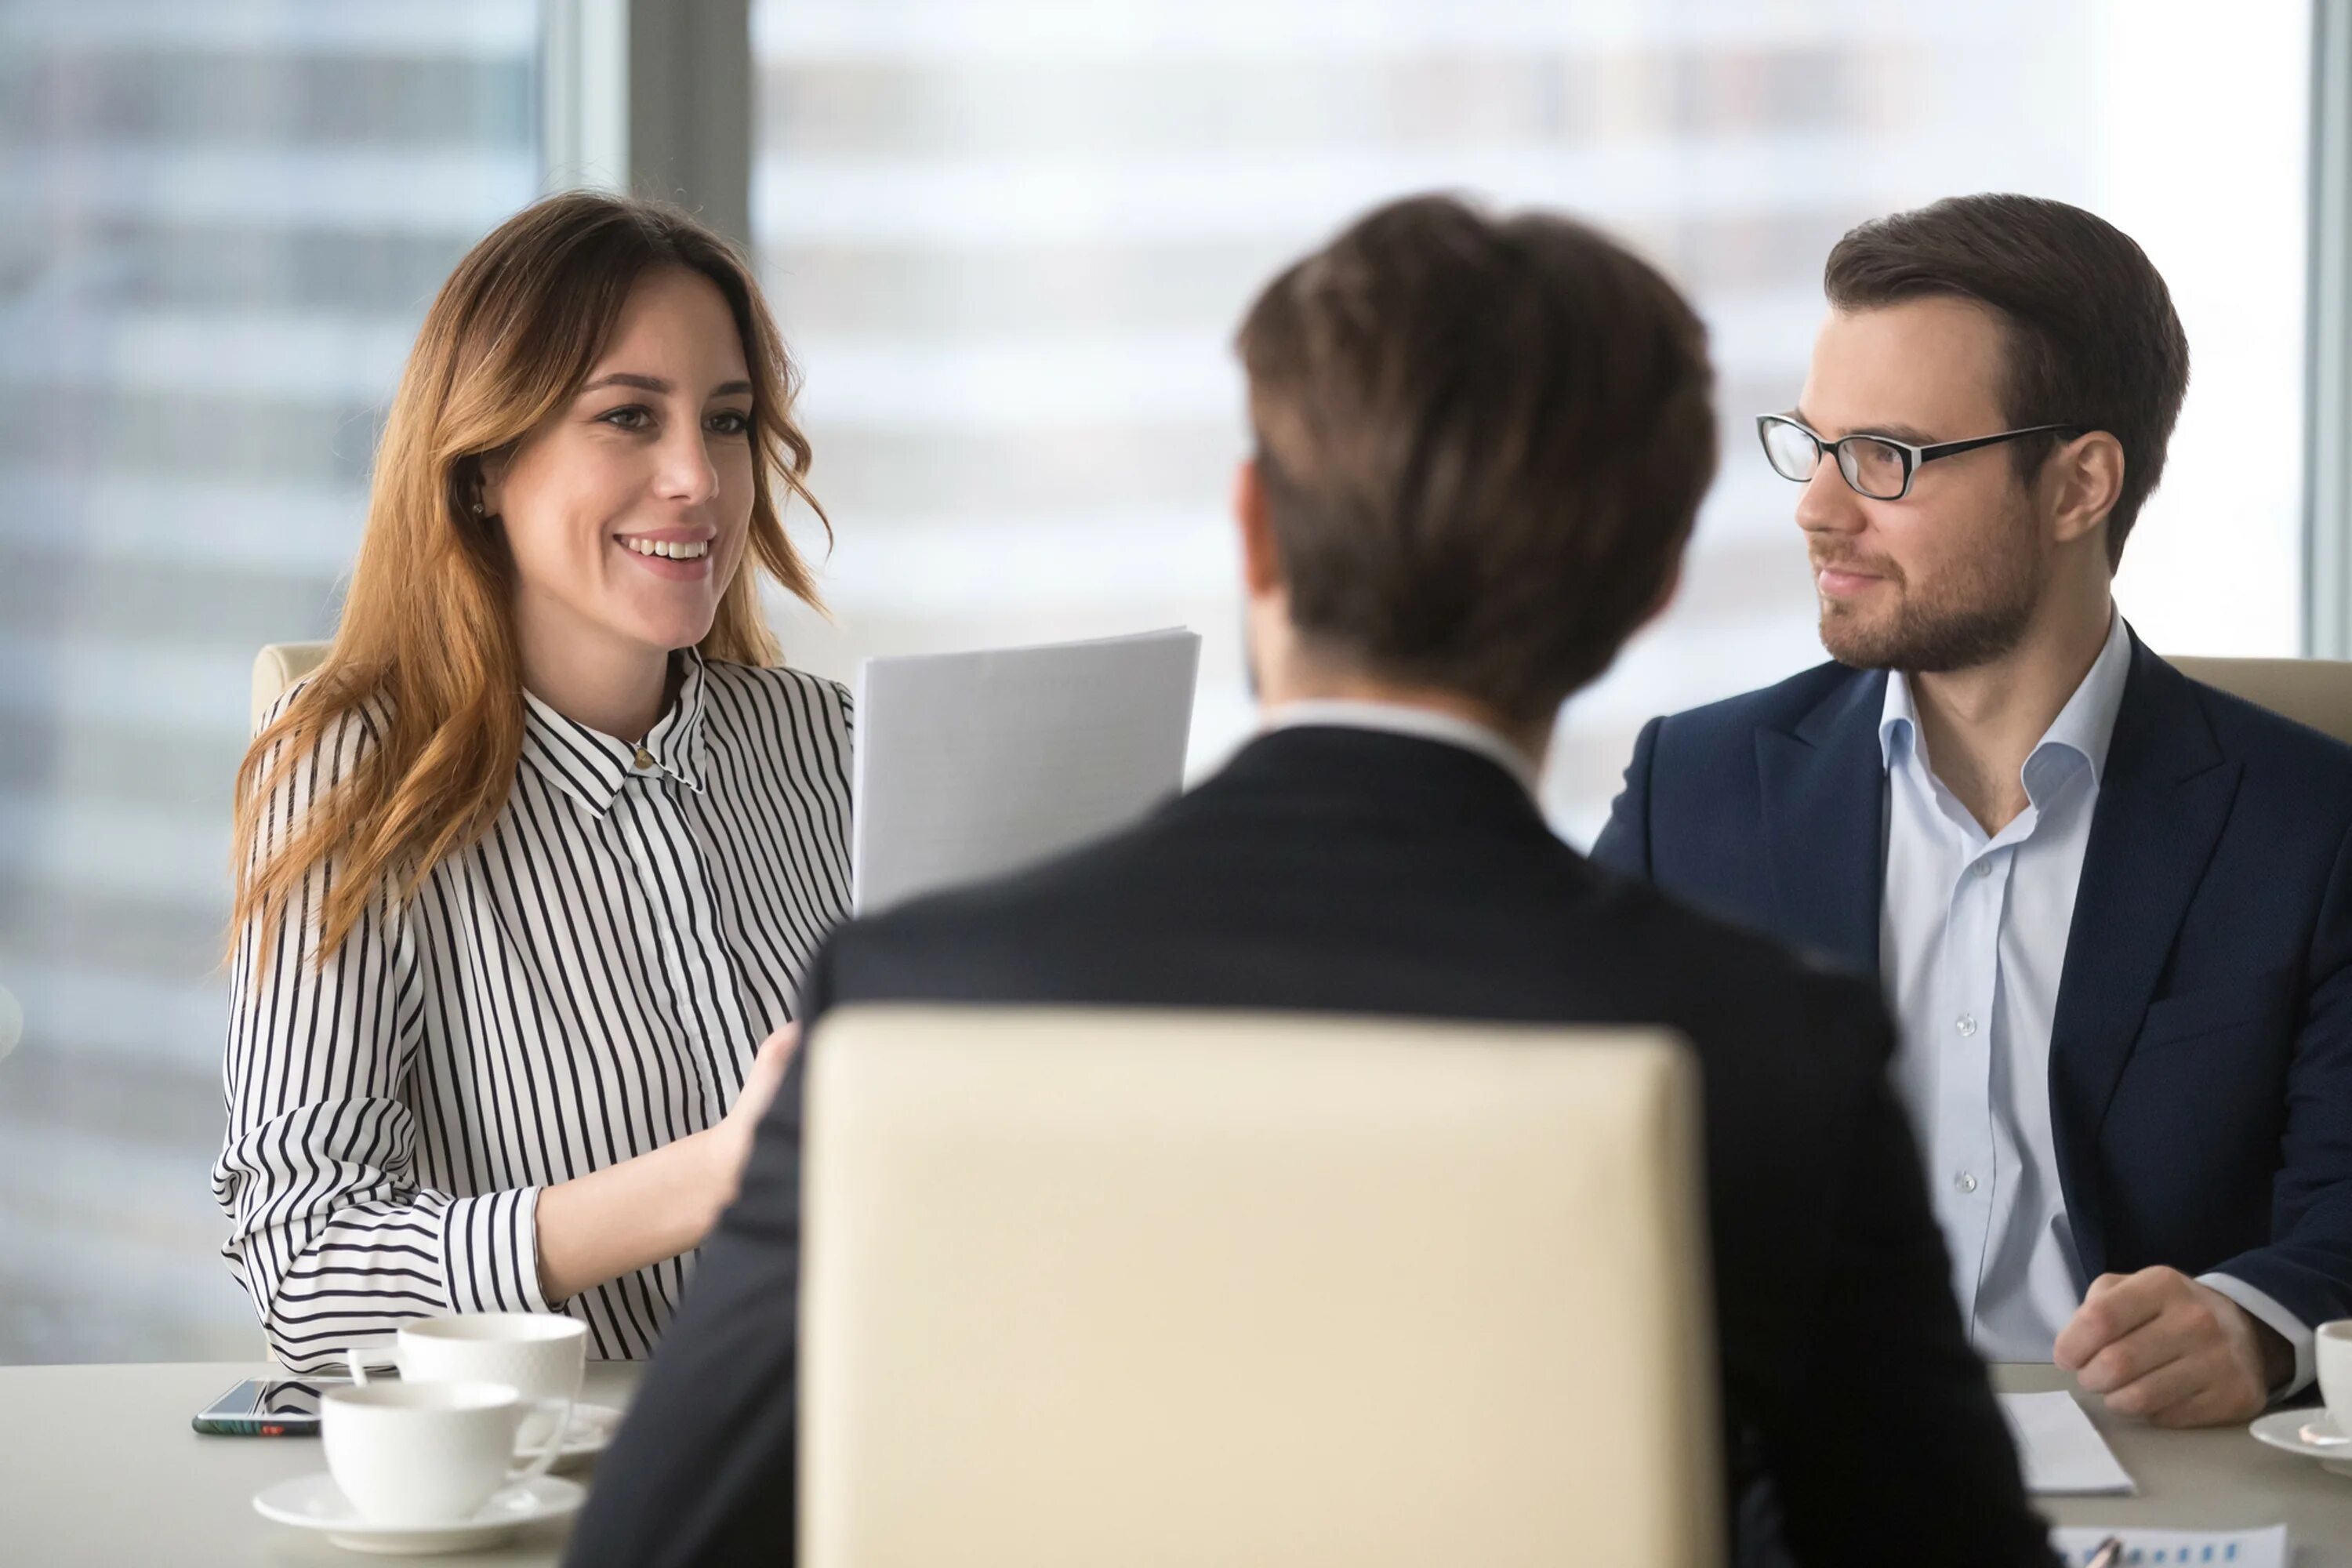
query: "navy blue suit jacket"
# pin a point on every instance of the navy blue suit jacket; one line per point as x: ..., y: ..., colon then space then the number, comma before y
x: 2201, y: 1060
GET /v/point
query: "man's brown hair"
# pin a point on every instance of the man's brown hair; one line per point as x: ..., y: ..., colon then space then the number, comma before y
x: 1481, y: 443
x: 2093, y: 342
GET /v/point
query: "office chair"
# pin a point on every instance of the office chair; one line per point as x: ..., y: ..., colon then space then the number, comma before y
x: 2312, y: 691
x: 277, y: 667
x: 1088, y: 1287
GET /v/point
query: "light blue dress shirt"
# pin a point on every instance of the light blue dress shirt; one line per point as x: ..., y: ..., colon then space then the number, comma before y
x: 1973, y: 946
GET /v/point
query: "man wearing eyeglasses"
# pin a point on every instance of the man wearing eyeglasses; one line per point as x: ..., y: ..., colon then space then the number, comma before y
x: 2111, y: 908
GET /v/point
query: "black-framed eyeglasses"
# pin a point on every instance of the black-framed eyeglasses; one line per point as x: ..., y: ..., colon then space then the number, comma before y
x: 1878, y: 466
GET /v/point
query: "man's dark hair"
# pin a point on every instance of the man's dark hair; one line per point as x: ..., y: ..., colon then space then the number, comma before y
x: 1481, y: 443
x: 2092, y: 338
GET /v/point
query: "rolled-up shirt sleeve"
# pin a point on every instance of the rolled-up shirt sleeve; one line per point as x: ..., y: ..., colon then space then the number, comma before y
x: 331, y: 1234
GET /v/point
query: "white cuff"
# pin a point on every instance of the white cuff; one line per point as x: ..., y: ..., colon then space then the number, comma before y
x: 2289, y: 1327
x: 490, y: 1250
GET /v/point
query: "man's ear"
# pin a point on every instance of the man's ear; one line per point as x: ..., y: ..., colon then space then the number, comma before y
x: 1261, y: 557
x: 2087, y: 473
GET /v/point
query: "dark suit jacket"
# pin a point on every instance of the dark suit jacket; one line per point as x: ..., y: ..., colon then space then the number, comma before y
x: 2201, y: 1060
x: 1351, y: 871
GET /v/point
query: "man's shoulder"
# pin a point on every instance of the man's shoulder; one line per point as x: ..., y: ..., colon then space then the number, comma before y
x: 1022, y: 932
x: 1781, y: 706
x: 977, y: 925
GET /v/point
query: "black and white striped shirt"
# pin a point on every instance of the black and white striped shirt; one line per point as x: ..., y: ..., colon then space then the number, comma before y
x: 586, y: 983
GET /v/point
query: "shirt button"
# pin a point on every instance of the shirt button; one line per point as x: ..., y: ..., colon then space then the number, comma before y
x: 644, y: 759
x: 1966, y: 1023
x: 1965, y: 1182
x: 1982, y: 868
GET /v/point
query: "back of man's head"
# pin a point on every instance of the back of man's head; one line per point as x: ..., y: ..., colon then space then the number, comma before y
x: 1481, y: 443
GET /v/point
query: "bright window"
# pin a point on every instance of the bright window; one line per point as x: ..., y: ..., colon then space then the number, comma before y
x: 219, y: 226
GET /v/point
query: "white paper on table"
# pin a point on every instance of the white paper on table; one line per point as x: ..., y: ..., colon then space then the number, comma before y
x: 2063, y: 1453
x: 2264, y: 1548
x: 969, y: 765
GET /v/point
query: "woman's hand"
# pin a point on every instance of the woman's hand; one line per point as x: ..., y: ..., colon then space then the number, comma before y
x: 732, y: 1137
x: 612, y: 1222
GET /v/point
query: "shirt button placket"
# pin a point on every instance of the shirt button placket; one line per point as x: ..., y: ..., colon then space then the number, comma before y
x: 1975, y: 931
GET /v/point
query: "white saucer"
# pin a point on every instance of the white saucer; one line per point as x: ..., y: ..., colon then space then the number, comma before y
x: 2309, y: 1433
x: 591, y: 1431
x: 315, y: 1502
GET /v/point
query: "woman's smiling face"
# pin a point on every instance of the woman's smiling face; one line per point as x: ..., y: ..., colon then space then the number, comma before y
x: 626, y: 512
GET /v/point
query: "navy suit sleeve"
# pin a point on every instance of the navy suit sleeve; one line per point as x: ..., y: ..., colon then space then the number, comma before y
x: 703, y: 1470
x: 1887, y: 1430
x: 2307, y: 1266
x: 1624, y: 844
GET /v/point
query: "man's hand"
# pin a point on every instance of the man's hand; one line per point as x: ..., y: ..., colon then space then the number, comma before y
x: 2163, y: 1347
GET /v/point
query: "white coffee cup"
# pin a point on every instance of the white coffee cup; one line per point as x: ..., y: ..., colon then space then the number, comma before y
x: 542, y: 1354
x: 2333, y: 1351
x: 425, y: 1453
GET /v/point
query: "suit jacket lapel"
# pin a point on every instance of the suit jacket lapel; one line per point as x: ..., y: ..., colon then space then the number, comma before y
x: 2163, y: 800
x: 1824, y: 794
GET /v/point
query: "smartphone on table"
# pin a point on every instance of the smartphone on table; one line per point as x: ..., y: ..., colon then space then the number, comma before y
x: 272, y: 1406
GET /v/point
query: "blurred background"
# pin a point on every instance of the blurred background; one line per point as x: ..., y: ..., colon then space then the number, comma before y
x: 1009, y: 241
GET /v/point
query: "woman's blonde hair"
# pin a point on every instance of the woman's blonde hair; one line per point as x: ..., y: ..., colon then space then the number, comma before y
x: 426, y: 656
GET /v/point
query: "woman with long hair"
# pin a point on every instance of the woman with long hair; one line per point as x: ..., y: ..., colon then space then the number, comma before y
x: 531, y: 866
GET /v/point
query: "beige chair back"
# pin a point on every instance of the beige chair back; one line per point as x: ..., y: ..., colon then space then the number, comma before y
x: 1089, y: 1286
x: 2313, y: 691
x: 278, y: 667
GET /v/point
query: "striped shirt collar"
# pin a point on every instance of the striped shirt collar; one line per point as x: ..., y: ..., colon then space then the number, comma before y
x: 594, y: 767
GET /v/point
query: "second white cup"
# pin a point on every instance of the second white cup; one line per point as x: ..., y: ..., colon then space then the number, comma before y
x: 2331, y: 1349
x: 539, y: 1354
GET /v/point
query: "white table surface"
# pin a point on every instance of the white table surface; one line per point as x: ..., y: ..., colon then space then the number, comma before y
x: 98, y: 1465
x: 2217, y: 1478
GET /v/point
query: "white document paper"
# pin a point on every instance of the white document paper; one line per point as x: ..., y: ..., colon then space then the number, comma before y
x: 971, y: 765
x: 2264, y: 1548
x: 2063, y: 1453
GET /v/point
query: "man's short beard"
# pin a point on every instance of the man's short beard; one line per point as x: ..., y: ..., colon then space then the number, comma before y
x: 1973, y: 621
